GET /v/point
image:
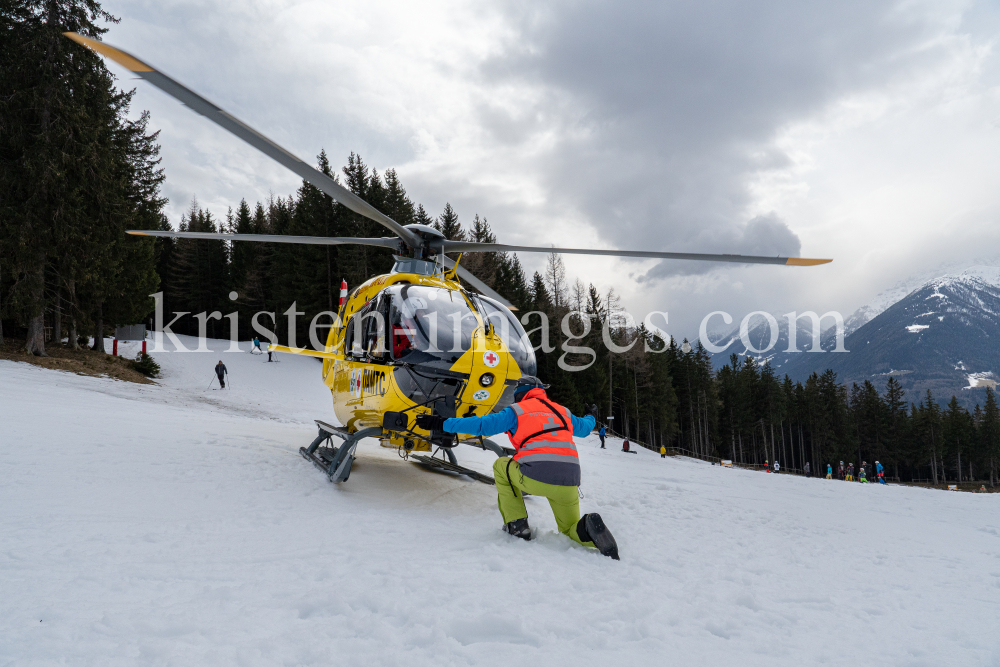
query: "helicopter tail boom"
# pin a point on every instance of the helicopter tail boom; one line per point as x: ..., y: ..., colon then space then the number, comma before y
x: 305, y: 352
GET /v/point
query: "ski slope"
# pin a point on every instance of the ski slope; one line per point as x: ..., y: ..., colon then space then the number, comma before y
x: 172, y: 524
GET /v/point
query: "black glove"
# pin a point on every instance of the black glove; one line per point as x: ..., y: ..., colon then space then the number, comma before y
x: 430, y: 422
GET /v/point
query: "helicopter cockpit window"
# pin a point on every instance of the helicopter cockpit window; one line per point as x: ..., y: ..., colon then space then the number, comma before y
x: 430, y: 324
x: 512, y: 334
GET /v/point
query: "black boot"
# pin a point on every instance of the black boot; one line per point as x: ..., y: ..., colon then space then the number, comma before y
x: 591, y: 528
x: 518, y: 528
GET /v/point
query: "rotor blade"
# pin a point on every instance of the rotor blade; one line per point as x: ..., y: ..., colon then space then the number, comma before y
x: 249, y: 135
x: 476, y: 282
x: 385, y: 242
x: 469, y: 246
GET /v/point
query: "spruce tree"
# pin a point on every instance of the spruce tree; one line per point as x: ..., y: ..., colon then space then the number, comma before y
x: 990, y: 434
x: 448, y: 224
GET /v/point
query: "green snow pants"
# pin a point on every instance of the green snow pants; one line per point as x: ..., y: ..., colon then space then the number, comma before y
x: 564, y: 500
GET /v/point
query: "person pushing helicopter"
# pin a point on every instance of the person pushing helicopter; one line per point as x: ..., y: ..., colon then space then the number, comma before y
x: 545, y: 464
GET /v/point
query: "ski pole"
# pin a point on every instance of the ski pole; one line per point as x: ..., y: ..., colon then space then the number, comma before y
x: 209, y: 385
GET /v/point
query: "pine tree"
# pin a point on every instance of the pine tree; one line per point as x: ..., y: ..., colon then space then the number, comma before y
x: 897, y: 425
x: 202, y: 269
x: 448, y: 224
x: 60, y: 172
x: 423, y: 218
x: 956, y: 426
x: 990, y: 434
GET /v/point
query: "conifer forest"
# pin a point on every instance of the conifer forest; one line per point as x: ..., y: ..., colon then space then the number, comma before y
x: 78, y: 167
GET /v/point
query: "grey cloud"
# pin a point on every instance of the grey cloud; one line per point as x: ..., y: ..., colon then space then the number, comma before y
x: 667, y: 110
x: 769, y: 235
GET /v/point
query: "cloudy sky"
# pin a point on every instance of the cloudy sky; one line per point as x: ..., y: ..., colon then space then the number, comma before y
x: 866, y: 131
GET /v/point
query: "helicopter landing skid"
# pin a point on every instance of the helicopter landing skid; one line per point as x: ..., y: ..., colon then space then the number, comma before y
x: 447, y: 466
x: 335, y: 462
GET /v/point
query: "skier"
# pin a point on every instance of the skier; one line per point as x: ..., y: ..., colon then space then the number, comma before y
x: 880, y: 472
x: 840, y: 471
x: 221, y: 373
x: 600, y: 434
x: 625, y: 445
x: 862, y: 475
x: 546, y: 463
x: 807, y: 470
x: 256, y: 345
x: 777, y: 466
x: 663, y: 451
x: 850, y: 471
x: 829, y: 471
x: 767, y: 466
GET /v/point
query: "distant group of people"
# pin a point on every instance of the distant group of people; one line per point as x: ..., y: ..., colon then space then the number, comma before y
x: 846, y: 474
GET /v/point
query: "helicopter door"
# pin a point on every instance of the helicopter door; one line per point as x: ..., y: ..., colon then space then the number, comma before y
x: 355, y: 338
x: 374, y: 327
x: 365, y: 338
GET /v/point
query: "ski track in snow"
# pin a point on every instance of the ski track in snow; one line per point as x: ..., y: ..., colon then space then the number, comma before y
x: 176, y: 525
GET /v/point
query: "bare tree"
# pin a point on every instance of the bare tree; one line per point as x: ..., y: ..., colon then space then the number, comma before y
x: 555, y: 280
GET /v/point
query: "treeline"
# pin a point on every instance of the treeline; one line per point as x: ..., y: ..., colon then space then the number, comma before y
x: 823, y: 422
x: 75, y: 172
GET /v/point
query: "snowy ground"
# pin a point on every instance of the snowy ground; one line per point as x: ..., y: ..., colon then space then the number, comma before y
x: 176, y: 525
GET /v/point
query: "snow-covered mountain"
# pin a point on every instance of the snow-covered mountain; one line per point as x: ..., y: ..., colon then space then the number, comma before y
x: 988, y: 273
x: 941, y: 335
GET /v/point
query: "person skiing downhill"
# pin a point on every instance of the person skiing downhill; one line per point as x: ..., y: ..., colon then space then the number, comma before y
x: 600, y: 434
x: 880, y: 472
x: 850, y: 471
x: 221, y: 373
x: 546, y: 463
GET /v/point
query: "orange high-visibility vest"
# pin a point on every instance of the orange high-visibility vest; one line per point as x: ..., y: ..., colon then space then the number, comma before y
x: 544, y: 440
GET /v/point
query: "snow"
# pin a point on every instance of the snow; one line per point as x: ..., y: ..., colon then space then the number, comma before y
x: 171, y: 524
x: 916, y: 328
x: 982, y: 379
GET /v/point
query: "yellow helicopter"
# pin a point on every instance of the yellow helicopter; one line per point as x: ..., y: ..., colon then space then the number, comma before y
x: 413, y: 341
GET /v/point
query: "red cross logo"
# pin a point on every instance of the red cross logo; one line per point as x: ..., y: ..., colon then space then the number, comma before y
x: 491, y: 359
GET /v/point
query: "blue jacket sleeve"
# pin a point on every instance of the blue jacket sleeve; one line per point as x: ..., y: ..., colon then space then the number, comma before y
x: 582, y: 426
x: 498, y: 422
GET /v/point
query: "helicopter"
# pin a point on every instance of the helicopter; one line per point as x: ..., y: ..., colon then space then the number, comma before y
x: 410, y: 342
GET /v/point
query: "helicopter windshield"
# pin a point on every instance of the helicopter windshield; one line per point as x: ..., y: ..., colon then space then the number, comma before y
x: 512, y: 334
x: 430, y: 324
